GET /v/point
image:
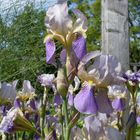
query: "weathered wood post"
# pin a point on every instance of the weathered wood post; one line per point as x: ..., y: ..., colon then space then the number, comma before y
x: 115, y: 38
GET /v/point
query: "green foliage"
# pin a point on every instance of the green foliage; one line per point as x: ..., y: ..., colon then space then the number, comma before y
x: 23, y: 54
x: 21, y: 43
x: 134, y: 23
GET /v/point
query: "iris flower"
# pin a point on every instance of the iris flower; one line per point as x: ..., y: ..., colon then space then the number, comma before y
x: 15, y: 121
x: 27, y: 91
x: 7, y: 92
x: 104, y: 71
x: 70, y: 33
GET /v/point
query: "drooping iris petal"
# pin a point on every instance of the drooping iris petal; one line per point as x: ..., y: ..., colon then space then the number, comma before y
x: 6, y: 125
x: 118, y: 104
x: 95, y: 126
x: 114, y: 134
x: 46, y: 79
x: 57, y: 19
x: 50, y: 51
x: 85, y: 101
x: 104, y: 105
x: 17, y: 103
x: 79, y: 46
x: 57, y: 99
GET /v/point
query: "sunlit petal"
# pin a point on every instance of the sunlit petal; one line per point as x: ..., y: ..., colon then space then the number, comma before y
x: 57, y: 19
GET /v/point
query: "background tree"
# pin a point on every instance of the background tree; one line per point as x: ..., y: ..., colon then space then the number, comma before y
x: 21, y: 42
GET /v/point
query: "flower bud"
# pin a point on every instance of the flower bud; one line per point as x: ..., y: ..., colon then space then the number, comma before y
x: 62, y: 85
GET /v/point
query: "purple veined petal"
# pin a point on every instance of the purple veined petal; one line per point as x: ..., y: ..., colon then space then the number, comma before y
x: 50, y: 51
x: 85, y: 101
x: 57, y: 100
x: 103, y: 103
x: 138, y: 120
x: 17, y: 102
x: 79, y: 46
x: 63, y: 56
x: 27, y: 116
x: 6, y: 125
x: 32, y: 104
x: 118, y: 104
x: 70, y: 99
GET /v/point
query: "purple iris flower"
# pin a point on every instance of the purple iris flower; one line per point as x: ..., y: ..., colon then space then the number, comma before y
x: 134, y: 77
x: 78, y: 50
x: 46, y: 79
x: 105, y: 71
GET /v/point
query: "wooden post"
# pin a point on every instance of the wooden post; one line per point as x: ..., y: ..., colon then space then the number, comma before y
x: 115, y: 40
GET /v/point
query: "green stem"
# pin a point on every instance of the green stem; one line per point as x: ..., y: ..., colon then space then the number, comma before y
x: 43, y: 111
x: 131, y: 134
x: 67, y: 129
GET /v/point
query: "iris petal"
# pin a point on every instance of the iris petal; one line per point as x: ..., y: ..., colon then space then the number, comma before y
x: 79, y: 46
x: 57, y: 19
x: 104, y: 105
x: 50, y: 51
x: 85, y: 101
x: 118, y: 104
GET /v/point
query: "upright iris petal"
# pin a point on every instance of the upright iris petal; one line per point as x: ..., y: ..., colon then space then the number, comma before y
x: 57, y: 19
x: 84, y: 101
x: 105, y: 70
x: 27, y: 87
x: 50, y: 51
x: 80, y: 24
x: 7, y: 92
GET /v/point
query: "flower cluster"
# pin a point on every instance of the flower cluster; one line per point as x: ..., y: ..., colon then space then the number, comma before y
x: 87, y: 98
